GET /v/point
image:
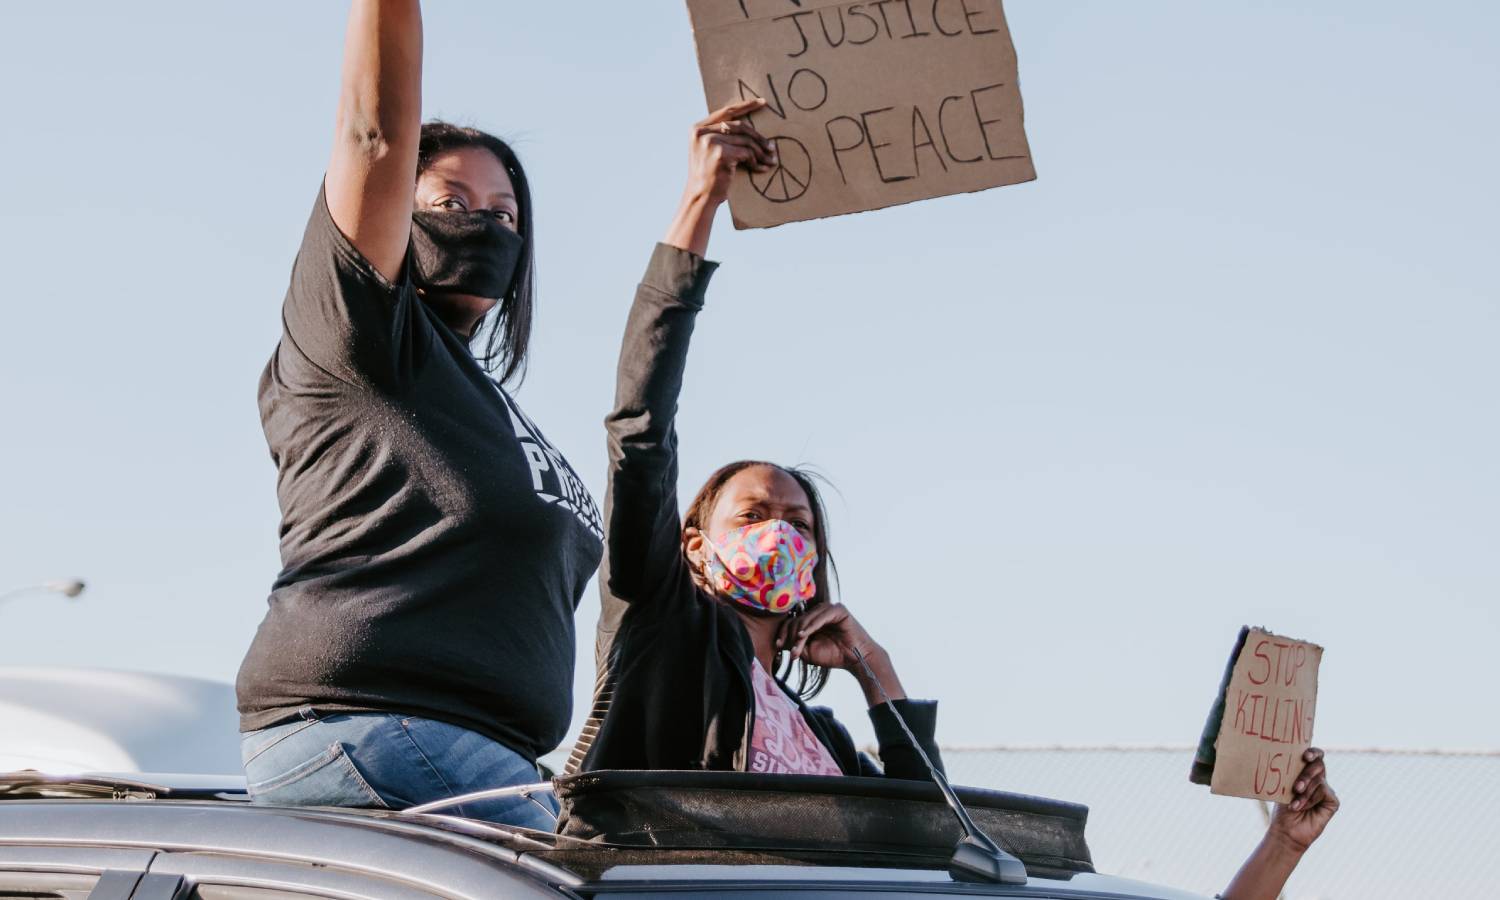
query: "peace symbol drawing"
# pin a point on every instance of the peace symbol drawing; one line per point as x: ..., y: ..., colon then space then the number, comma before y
x: 788, y: 180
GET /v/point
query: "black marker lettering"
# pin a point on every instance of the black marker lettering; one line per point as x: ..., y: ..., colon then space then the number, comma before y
x: 833, y: 144
x: 864, y: 121
x: 774, y: 104
x: 798, y: 78
x: 943, y: 130
x: 858, y: 10
x: 911, y: 20
x: 969, y: 15
x: 984, y: 123
x: 937, y: 21
x: 880, y: 5
x: 797, y: 21
x: 745, y: 10
x: 917, y: 119
x: 843, y: 29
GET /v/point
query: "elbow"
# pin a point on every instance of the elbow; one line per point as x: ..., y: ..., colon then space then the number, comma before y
x: 369, y: 139
x: 636, y: 425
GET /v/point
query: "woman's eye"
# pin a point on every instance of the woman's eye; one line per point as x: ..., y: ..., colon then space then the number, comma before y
x: 450, y: 203
x: 504, y: 217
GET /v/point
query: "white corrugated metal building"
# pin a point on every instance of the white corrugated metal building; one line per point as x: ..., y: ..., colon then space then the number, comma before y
x: 1414, y: 824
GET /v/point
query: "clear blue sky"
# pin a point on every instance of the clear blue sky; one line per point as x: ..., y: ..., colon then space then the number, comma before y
x: 1232, y: 358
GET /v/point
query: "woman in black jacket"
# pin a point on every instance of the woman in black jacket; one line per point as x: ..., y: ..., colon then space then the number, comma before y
x: 705, y: 618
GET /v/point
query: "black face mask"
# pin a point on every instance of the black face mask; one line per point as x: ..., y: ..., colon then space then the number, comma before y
x: 464, y: 253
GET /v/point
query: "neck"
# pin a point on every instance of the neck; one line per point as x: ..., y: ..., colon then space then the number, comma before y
x: 762, y: 631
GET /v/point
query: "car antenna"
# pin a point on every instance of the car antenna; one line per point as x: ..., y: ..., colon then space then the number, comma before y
x: 977, y: 857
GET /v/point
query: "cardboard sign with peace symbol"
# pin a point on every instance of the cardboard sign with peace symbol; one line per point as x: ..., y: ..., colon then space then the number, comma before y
x: 871, y: 104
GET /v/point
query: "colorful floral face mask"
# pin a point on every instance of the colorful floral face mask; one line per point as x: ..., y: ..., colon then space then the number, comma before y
x: 766, y: 565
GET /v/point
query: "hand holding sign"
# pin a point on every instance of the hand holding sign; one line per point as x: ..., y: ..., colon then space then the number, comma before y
x: 721, y: 144
x: 1300, y: 822
x: 1293, y: 829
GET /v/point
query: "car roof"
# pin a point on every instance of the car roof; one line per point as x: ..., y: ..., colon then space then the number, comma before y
x: 378, y: 845
x: 460, y: 857
x: 1081, y: 885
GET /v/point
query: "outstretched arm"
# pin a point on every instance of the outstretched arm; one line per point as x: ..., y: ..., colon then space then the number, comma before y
x: 641, y: 505
x: 1293, y: 829
x: 372, y: 174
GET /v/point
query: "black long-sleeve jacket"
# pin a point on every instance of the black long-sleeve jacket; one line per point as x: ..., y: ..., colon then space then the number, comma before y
x: 673, y: 687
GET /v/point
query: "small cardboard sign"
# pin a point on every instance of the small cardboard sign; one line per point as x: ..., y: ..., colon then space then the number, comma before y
x: 1262, y: 720
x: 871, y: 104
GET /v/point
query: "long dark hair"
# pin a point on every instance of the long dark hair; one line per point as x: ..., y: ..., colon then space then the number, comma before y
x: 510, y: 333
x: 810, y: 678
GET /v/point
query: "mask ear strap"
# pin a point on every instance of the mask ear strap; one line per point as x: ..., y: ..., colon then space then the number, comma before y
x: 710, y: 553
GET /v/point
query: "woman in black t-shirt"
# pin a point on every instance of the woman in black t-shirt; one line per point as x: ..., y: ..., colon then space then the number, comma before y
x: 419, y: 642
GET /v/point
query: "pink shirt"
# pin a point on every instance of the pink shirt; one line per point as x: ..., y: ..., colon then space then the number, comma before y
x: 781, y: 741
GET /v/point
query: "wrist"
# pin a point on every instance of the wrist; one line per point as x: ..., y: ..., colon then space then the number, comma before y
x: 1266, y: 872
x: 880, y: 681
x: 1283, y: 847
x: 698, y: 198
x: 694, y: 221
x: 875, y: 658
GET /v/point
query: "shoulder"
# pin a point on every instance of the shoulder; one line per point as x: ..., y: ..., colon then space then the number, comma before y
x: 323, y: 240
x: 824, y: 716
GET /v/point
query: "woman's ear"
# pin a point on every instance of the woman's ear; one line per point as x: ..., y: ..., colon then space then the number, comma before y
x: 695, y: 552
x: 692, y: 546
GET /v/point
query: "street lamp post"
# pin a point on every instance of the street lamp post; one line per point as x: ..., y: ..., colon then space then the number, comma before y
x: 68, y: 587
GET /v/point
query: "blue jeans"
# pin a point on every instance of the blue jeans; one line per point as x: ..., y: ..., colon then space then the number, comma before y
x: 387, y: 761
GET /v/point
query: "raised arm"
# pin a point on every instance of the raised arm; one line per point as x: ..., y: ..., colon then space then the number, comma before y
x: 644, y: 552
x: 372, y: 174
x: 1294, y: 827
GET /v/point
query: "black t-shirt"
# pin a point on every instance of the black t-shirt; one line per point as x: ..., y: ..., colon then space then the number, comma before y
x: 434, y: 545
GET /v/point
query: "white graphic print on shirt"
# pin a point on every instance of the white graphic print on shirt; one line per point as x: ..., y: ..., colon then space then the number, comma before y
x: 551, y: 477
x: 781, y: 740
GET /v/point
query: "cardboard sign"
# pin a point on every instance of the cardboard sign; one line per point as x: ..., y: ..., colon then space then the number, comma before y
x: 871, y: 104
x: 1262, y: 720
